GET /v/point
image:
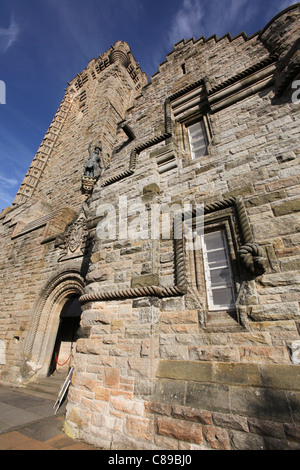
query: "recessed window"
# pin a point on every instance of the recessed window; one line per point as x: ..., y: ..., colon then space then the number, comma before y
x: 197, y: 139
x: 217, y: 270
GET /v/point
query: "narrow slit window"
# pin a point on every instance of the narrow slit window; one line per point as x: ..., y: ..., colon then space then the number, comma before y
x: 197, y: 139
x: 218, y: 273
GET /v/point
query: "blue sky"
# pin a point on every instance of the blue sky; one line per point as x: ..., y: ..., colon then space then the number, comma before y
x: 45, y: 43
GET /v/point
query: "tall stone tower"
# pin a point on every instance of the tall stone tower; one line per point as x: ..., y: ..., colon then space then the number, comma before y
x: 154, y: 248
x: 39, y: 249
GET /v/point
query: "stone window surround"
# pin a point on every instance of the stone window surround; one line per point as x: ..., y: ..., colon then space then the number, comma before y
x: 247, y: 258
x: 249, y: 82
x: 220, y: 222
x: 238, y: 87
x: 189, y: 120
x: 249, y: 253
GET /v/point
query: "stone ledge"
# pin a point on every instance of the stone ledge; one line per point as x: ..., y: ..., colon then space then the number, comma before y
x: 281, y: 377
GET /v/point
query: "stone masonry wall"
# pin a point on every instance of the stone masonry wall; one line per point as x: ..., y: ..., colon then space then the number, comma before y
x: 49, y: 199
x: 153, y: 367
x: 160, y: 371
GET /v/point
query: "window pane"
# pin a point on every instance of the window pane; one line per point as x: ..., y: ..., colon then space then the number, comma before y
x: 216, y: 258
x: 214, y: 240
x: 197, y: 140
x: 218, y: 275
x: 223, y: 297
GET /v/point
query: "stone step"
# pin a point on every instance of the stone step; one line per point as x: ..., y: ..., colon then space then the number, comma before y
x: 46, y: 387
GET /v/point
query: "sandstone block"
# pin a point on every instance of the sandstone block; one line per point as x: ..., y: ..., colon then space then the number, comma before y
x: 117, y: 324
x: 145, y: 280
x: 214, y: 353
x: 102, y: 393
x: 191, y: 414
x: 112, y: 377
x: 179, y: 317
x: 265, y: 199
x: 217, y: 438
x: 260, y: 402
x: 89, y: 346
x: 211, y: 397
x: 266, y: 428
x: 181, y: 430
x: 287, y: 207
x: 230, y: 421
x: 169, y: 391
x: 126, y: 405
x: 140, y: 428
x: 158, y: 408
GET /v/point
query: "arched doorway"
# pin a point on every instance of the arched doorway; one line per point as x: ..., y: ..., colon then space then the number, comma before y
x: 57, y: 302
x: 66, y: 336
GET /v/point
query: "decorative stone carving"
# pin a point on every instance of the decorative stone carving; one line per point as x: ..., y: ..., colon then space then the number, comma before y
x: 94, y: 166
x: 88, y: 184
x: 75, y: 239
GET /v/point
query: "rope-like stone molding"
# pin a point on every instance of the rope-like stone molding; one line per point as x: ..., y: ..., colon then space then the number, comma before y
x: 219, y: 205
x: 132, y: 293
x: 186, y: 89
x: 252, y: 256
x: 178, y: 289
x: 250, y: 253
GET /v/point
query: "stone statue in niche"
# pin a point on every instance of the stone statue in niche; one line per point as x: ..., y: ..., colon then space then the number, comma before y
x: 93, y: 167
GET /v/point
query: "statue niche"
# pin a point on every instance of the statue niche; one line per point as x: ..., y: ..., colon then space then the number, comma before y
x: 94, y: 166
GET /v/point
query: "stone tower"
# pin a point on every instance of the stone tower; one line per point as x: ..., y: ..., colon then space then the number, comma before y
x: 44, y: 232
x: 165, y: 214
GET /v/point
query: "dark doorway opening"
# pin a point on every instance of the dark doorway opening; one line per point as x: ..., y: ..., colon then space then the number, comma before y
x: 66, y: 336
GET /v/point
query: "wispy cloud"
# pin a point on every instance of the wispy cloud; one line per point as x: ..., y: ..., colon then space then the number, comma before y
x: 8, y: 189
x: 186, y: 21
x: 8, y: 182
x: 8, y: 36
x: 208, y: 17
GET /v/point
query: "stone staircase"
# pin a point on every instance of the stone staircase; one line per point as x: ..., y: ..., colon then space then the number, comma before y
x: 47, y: 387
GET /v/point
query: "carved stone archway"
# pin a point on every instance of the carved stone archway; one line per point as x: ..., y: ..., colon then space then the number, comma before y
x: 42, y: 334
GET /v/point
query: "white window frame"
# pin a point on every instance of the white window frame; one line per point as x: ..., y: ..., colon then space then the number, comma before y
x: 200, y: 124
x: 207, y: 273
